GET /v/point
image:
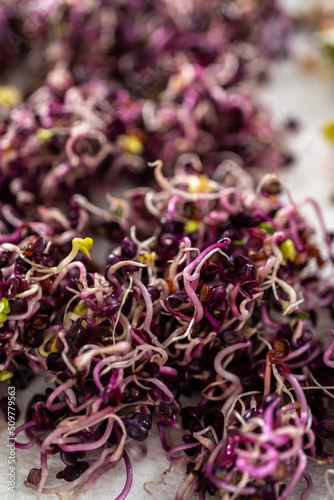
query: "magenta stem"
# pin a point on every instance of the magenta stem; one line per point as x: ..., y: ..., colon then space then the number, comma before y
x: 129, y: 478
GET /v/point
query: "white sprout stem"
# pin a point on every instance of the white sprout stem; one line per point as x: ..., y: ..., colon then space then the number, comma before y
x: 328, y: 484
x: 120, y: 348
x: 125, y: 296
x: 33, y: 289
x: 94, y: 209
x: 32, y: 304
x: 168, y: 186
x: 112, y: 269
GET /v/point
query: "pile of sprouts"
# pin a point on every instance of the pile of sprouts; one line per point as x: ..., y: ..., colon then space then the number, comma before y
x: 218, y: 298
x: 200, y: 322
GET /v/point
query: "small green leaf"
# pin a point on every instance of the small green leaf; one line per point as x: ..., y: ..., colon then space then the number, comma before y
x: 118, y: 212
x: 133, y: 144
x: 303, y: 314
x: 288, y: 250
x: 4, y: 309
x: 266, y: 227
x: 328, y: 131
x: 191, y: 226
x: 10, y: 96
x: 83, y: 245
x: 81, y: 308
x: 44, y: 134
x: 5, y: 374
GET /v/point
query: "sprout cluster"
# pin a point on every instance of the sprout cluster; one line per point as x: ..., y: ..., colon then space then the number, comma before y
x: 114, y: 85
x: 142, y: 41
x: 218, y: 297
x: 214, y: 279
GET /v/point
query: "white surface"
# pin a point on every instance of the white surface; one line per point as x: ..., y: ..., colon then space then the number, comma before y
x: 293, y: 92
x: 308, y: 96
